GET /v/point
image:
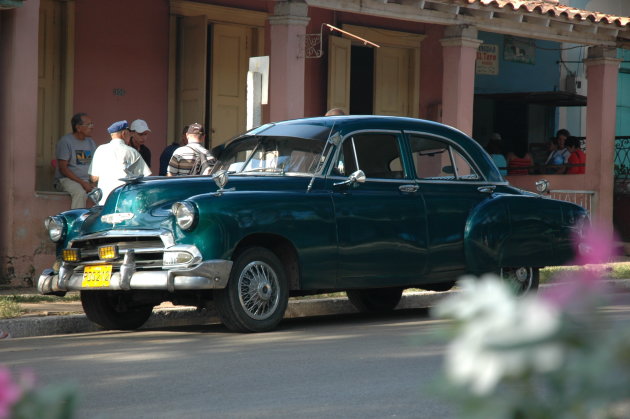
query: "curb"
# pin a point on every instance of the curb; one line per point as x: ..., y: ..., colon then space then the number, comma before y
x: 188, y: 316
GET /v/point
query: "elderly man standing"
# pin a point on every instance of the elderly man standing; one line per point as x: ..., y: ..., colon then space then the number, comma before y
x: 74, y: 154
x: 116, y: 160
x: 193, y: 158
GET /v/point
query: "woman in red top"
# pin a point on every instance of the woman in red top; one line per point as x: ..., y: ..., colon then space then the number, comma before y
x: 519, y: 161
x: 577, y: 157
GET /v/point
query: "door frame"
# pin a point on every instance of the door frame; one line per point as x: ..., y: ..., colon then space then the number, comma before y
x: 388, y: 38
x: 255, y: 20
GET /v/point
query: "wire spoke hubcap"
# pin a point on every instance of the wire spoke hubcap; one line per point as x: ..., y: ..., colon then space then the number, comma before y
x: 259, y: 290
x: 520, y: 277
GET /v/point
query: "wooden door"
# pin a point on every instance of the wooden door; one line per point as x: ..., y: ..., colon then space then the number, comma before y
x: 50, y: 103
x: 339, y: 73
x: 191, y: 84
x: 230, y: 63
x: 392, y: 81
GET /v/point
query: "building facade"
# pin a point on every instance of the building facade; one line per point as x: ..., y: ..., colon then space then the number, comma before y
x: 174, y: 62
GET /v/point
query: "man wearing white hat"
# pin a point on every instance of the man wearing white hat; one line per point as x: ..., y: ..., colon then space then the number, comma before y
x: 116, y: 160
x: 139, y: 133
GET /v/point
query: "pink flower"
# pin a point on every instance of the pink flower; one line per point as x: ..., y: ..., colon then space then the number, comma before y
x: 598, y: 245
x: 578, y: 290
x: 10, y: 392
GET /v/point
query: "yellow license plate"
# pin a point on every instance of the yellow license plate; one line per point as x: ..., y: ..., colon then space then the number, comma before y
x: 97, y: 276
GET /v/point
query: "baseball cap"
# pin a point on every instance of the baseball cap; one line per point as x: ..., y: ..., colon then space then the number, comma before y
x: 139, y: 125
x: 195, y: 129
x: 117, y: 127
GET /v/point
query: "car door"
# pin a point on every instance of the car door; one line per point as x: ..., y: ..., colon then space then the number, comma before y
x: 451, y: 186
x: 381, y: 223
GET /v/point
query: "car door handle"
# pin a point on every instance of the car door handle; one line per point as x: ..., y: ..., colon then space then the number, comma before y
x: 408, y: 188
x: 487, y: 188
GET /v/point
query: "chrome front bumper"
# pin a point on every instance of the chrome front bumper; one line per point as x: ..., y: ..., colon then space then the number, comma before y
x: 212, y: 274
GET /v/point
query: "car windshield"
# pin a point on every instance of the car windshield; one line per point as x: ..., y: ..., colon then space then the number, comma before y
x: 272, y: 154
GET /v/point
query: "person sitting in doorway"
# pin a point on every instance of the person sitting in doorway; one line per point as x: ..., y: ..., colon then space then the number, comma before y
x: 494, y: 149
x: 519, y: 161
x: 577, y: 158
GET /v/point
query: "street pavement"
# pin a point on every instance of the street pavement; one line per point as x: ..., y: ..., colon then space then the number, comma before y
x: 64, y: 317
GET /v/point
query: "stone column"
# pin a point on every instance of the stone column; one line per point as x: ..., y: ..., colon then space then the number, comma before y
x: 459, y: 51
x: 602, y: 70
x: 286, y: 68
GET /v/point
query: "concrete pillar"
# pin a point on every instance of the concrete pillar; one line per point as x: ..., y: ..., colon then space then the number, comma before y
x: 286, y: 73
x: 459, y: 50
x: 602, y: 69
x: 18, y: 132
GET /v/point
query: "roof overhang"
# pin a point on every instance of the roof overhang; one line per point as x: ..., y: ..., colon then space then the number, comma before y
x: 526, y: 18
x: 539, y: 98
x: 10, y: 4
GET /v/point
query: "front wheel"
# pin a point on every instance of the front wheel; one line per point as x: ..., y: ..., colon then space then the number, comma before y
x: 114, y: 310
x: 375, y: 300
x: 257, y: 293
x: 522, y: 279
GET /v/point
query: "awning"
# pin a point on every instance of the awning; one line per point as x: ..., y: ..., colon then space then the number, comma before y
x: 10, y: 4
x: 539, y: 98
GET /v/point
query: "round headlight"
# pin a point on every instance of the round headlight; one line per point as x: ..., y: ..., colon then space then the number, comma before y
x: 185, y: 215
x: 55, y: 226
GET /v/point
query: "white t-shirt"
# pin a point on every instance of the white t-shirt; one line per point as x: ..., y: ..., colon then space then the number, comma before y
x: 113, y: 161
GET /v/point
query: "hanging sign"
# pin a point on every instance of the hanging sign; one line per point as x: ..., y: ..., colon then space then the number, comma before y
x: 487, y: 60
x: 519, y: 50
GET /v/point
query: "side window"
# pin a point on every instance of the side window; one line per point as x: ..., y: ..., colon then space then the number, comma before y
x: 435, y: 159
x: 378, y: 155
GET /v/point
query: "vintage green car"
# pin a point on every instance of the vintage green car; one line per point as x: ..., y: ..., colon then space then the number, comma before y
x: 370, y: 205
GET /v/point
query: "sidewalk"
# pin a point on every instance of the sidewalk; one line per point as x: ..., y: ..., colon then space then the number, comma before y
x: 55, y: 318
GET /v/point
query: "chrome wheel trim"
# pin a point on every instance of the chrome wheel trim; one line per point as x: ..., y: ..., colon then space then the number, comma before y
x: 522, y: 277
x: 259, y: 290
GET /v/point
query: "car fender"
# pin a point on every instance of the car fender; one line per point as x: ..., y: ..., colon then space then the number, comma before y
x: 308, y: 224
x: 512, y: 230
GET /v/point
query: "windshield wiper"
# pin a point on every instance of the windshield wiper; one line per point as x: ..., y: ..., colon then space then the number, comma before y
x: 264, y: 169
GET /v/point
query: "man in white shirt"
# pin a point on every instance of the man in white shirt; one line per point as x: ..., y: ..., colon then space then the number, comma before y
x: 116, y: 160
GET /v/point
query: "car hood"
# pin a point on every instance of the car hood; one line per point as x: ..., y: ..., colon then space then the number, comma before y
x: 146, y: 204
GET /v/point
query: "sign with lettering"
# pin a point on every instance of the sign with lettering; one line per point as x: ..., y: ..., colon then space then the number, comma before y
x: 487, y: 59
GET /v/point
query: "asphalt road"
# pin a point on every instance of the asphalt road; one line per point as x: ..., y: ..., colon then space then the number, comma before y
x: 344, y: 366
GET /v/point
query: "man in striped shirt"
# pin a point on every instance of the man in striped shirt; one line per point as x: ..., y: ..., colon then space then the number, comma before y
x: 193, y: 158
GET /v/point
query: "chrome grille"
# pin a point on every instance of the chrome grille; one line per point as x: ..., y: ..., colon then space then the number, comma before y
x: 148, y: 249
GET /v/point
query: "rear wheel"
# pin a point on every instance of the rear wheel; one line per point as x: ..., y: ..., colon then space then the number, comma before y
x: 522, y: 279
x: 114, y: 310
x: 256, y: 295
x: 375, y: 300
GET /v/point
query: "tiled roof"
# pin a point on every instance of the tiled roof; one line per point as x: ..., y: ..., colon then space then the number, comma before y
x: 554, y: 8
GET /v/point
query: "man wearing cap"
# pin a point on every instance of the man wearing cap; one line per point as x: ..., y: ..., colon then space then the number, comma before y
x: 139, y: 133
x: 116, y: 160
x: 74, y: 153
x: 193, y: 158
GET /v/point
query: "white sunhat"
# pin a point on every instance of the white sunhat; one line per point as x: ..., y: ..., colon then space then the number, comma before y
x: 139, y: 125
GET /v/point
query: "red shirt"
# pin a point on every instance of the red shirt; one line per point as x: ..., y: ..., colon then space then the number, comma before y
x: 519, y: 165
x: 577, y: 157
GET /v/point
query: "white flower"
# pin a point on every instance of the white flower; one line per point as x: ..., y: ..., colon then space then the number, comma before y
x: 500, y: 334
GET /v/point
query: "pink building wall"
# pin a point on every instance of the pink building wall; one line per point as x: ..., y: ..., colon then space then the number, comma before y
x: 123, y: 45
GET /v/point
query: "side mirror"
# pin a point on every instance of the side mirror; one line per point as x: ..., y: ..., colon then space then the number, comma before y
x: 95, y: 195
x: 449, y: 170
x: 356, y: 177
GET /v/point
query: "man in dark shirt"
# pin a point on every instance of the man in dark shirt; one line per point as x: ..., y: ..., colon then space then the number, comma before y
x: 139, y: 133
x: 166, y: 155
